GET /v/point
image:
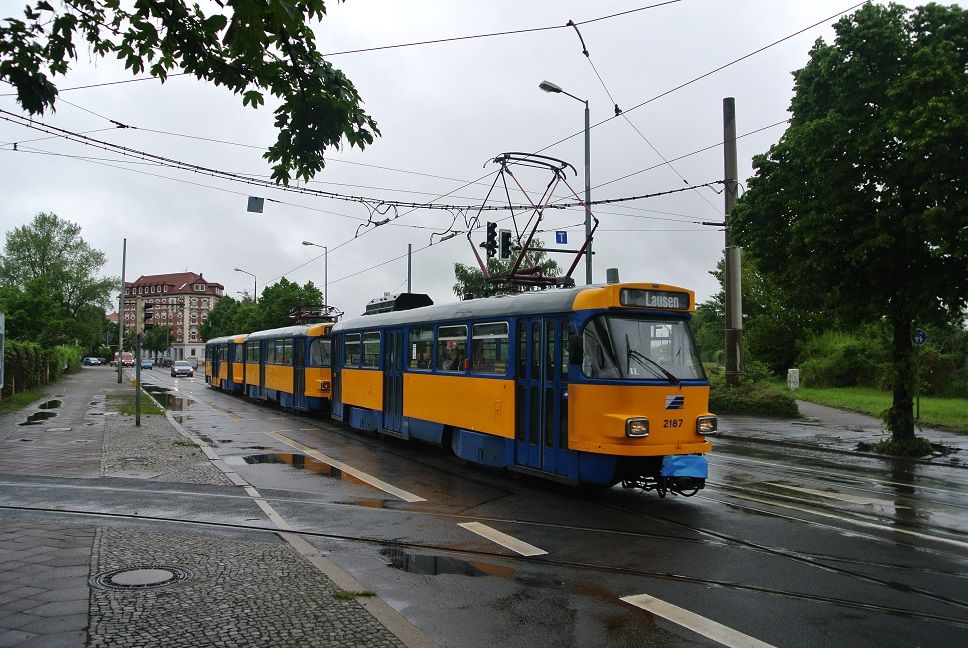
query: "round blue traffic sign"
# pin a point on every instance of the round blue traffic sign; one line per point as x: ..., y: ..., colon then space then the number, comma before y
x: 920, y: 336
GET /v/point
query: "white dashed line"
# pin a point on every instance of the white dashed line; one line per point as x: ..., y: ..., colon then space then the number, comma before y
x: 349, y: 470
x: 692, y: 621
x: 503, y: 539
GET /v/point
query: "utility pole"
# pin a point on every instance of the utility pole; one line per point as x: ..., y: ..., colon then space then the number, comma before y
x: 588, y: 196
x: 138, y: 339
x: 732, y: 285
x: 124, y: 258
x: 409, y: 253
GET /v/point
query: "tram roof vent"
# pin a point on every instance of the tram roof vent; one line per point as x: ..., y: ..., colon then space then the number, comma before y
x: 399, y: 302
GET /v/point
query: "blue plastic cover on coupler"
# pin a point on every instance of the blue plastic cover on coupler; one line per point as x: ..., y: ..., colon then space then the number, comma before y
x: 685, y: 466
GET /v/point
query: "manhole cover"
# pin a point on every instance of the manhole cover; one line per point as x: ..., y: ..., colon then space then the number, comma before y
x: 140, y: 577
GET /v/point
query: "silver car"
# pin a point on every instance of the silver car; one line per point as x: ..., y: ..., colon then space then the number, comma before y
x: 182, y: 368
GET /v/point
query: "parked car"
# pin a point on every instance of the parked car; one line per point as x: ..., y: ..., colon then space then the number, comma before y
x: 91, y: 362
x: 182, y: 368
x: 146, y: 364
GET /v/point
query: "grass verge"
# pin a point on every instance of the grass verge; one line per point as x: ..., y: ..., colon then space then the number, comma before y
x: 124, y: 404
x: 19, y: 401
x: 949, y: 413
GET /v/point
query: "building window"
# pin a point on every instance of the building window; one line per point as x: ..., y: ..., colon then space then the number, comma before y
x: 166, y: 288
x: 192, y: 336
x: 194, y: 318
x: 199, y: 287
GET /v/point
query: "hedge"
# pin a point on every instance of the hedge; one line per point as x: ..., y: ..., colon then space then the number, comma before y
x: 28, y: 365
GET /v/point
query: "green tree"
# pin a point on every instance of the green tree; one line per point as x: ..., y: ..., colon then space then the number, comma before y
x: 470, y: 280
x: 51, y: 250
x: 34, y: 313
x: 221, y: 320
x: 278, y: 301
x: 861, y: 209
x: 157, y: 339
x: 252, y: 47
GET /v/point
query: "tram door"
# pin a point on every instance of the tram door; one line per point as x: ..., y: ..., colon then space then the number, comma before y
x: 216, y: 364
x: 393, y: 354
x: 299, y: 350
x: 541, y: 405
x: 337, y: 367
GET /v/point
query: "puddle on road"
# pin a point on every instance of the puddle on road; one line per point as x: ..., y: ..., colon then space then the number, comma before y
x: 297, y: 461
x: 432, y: 565
x: 51, y: 404
x: 37, y: 418
x: 167, y: 399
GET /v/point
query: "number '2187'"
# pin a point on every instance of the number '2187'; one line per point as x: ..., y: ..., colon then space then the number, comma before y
x: 672, y: 423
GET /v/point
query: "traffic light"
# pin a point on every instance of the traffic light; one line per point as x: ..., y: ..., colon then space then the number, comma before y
x: 147, y: 309
x: 491, y: 244
x: 505, y: 250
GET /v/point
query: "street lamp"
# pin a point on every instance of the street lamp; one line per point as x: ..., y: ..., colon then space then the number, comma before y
x: 255, y: 284
x: 548, y: 86
x: 325, y: 270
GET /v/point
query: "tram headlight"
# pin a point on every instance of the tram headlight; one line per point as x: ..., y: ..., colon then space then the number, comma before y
x: 707, y: 425
x: 636, y: 428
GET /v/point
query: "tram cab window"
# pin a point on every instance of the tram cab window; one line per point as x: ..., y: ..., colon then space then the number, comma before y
x: 371, y: 350
x: 631, y: 348
x: 421, y: 349
x: 451, y: 348
x: 353, y: 350
x: 319, y: 352
x: 490, y: 348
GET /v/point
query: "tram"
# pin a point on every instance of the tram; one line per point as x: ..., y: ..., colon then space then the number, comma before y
x: 289, y: 366
x: 591, y: 385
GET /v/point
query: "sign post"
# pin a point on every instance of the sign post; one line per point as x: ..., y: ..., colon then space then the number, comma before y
x: 919, y: 338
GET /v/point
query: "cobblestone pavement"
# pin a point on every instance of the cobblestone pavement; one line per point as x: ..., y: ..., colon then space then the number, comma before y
x: 241, y: 592
x: 154, y: 451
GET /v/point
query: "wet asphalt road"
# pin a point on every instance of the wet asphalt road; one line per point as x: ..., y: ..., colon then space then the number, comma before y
x: 789, y: 547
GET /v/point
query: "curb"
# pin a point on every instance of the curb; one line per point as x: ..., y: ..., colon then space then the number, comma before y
x: 823, y: 448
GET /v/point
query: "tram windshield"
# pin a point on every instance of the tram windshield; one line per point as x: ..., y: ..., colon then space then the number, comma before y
x: 631, y: 348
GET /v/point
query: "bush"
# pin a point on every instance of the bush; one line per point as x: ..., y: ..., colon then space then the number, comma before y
x: 838, y: 359
x: 757, y: 399
x: 28, y: 365
x: 916, y: 447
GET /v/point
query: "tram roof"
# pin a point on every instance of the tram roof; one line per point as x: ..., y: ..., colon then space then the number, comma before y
x: 290, y: 331
x: 234, y: 339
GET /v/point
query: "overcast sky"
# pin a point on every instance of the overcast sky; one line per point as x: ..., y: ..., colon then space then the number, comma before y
x: 444, y: 110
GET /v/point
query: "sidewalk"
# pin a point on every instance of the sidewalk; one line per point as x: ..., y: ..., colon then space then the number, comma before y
x: 838, y: 430
x: 76, y: 580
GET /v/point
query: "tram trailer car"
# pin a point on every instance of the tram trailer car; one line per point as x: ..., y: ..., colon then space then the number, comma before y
x: 224, y: 368
x: 592, y: 385
x: 289, y: 366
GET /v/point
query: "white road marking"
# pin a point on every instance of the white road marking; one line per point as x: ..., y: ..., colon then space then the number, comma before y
x: 698, y: 624
x: 841, y: 497
x: 269, y: 511
x: 349, y: 470
x: 503, y: 539
x: 868, y: 525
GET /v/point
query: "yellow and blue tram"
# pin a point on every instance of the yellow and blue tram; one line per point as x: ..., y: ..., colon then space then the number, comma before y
x: 289, y: 366
x: 589, y: 385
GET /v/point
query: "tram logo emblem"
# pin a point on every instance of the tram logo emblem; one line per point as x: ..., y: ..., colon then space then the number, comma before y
x: 675, y: 402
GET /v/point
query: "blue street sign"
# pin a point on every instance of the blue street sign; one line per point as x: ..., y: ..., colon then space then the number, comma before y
x: 920, y: 336
x: 561, y: 237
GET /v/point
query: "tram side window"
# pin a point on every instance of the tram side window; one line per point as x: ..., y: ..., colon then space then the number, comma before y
x: 421, y: 349
x: 286, y: 353
x: 252, y: 352
x: 319, y: 352
x: 353, y: 350
x: 490, y: 348
x: 371, y: 350
x: 451, y: 348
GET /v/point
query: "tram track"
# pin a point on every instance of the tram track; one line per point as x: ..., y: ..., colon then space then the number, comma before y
x: 543, y: 561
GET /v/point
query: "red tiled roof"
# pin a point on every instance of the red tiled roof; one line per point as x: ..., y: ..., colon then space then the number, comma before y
x: 176, y: 281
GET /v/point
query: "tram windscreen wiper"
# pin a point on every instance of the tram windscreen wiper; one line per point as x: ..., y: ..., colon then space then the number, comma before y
x: 643, y: 359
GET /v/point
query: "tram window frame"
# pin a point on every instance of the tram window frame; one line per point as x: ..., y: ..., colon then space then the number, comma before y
x: 250, y: 357
x: 486, y: 340
x: 351, y: 357
x: 444, y: 347
x: 371, y: 356
x: 420, y: 340
x: 320, y: 354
